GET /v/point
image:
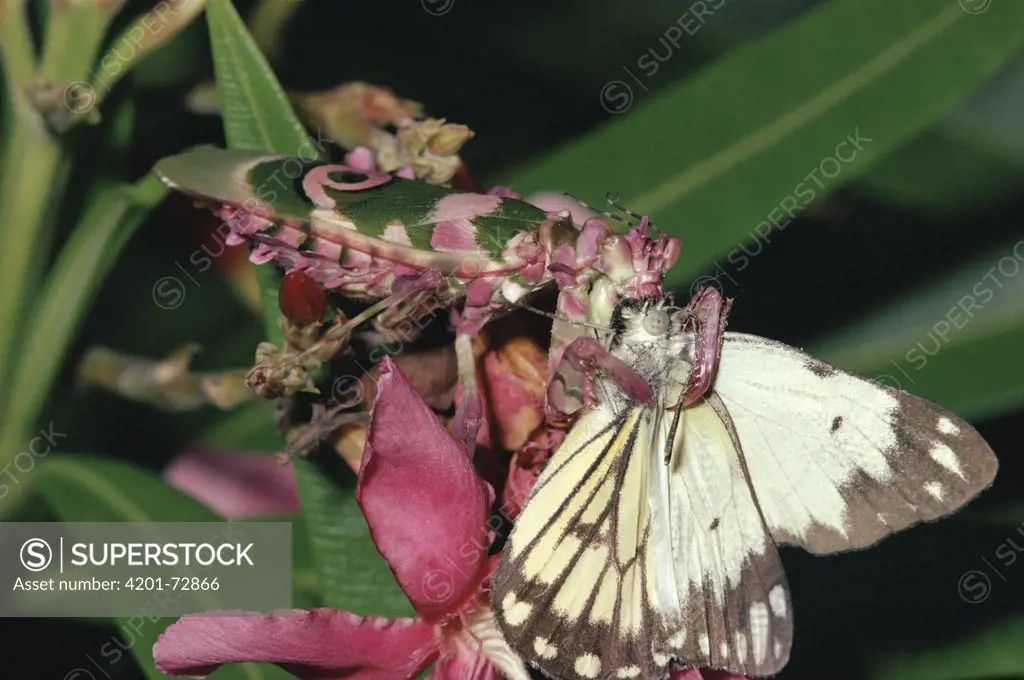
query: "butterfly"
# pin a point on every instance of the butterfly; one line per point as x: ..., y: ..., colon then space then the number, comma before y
x: 650, y: 537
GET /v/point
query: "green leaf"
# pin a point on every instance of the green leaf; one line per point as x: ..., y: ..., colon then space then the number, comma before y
x: 256, y: 111
x: 956, y: 341
x: 110, y: 219
x: 710, y: 159
x: 942, y: 175
x: 258, y: 116
x: 305, y: 577
x: 250, y: 427
x: 18, y: 48
x: 991, y: 118
x: 354, y: 575
x: 306, y: 591
x: 30, y: 182
x: 996, y: 653
x: 86, y: 489
x: 147, y: 32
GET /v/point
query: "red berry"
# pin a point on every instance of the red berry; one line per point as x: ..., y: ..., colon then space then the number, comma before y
x: 301, y: 299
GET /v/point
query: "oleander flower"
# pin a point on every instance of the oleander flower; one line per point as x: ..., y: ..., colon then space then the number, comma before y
x: 427, y: 511
x: 234, y: 484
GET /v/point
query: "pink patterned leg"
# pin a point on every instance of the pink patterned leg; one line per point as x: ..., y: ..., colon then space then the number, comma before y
x: 586, y: 355
x: 708, y: 311
x: 475, y: 315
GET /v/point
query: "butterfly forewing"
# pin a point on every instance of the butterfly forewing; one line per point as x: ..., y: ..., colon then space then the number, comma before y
x: 836, y: 461
x: 574, y: 592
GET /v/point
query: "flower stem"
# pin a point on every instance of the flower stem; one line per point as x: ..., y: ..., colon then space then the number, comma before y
x: 32, y: 181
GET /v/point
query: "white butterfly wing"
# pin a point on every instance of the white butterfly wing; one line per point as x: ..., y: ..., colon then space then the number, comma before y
x: 836, y: 461
x: 573, y: 592
x: 717, y: 565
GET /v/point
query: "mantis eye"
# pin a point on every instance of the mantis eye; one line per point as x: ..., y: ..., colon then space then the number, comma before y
x: 656, y: 322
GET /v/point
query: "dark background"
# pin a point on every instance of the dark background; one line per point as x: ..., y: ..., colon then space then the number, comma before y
x: 526, y: 78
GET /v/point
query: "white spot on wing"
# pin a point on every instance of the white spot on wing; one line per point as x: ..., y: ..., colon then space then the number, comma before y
x: 723, y: 649
x: 628, y: 672
x: 741, y: 645
x: 516, y: 612
x: 678, y: 640
x: 544, y: 649
x: 660, y: 659
x: 777, y: 599
x: 587, y: 666
x: 760, y: 625
x: 704, y: 643
x: 947, y: 426
x: 935, y: 490
x: 944, y: 456
x: 777, y: 647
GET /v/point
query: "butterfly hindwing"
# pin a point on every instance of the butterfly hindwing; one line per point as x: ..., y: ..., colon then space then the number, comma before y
x: 721, y: 566
x: 837, y: 461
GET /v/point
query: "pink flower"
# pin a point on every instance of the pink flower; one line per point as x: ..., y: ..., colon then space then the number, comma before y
x: 427, y: 511
x: 235, y: 485
x: 510, y: 383
x: 704, y: 674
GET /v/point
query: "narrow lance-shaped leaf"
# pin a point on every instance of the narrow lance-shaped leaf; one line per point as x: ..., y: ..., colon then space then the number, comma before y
x: 952, y: 341
x: 994, y: 653
x: 146, y: 33
x: 258, y: 116
x: 109, y: 221
x: 737, y: 147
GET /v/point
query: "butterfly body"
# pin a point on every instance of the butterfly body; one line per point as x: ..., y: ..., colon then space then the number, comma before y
x: 650, y: 537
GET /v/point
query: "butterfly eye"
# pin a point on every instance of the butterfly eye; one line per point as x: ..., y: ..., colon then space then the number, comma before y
x: 656, y: 322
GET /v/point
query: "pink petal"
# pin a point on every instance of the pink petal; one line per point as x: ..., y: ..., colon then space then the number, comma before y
x: 424, y: 503
x: 685, y: 674
x: 704, y: 674
x: 483, y: 435
x: 360, y: 158
x: 474, y: 648
x: 235, y: 485
x: 318, y: 644
x: 465, y: 665
x: 516, y: 380
x: 525, y: 467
